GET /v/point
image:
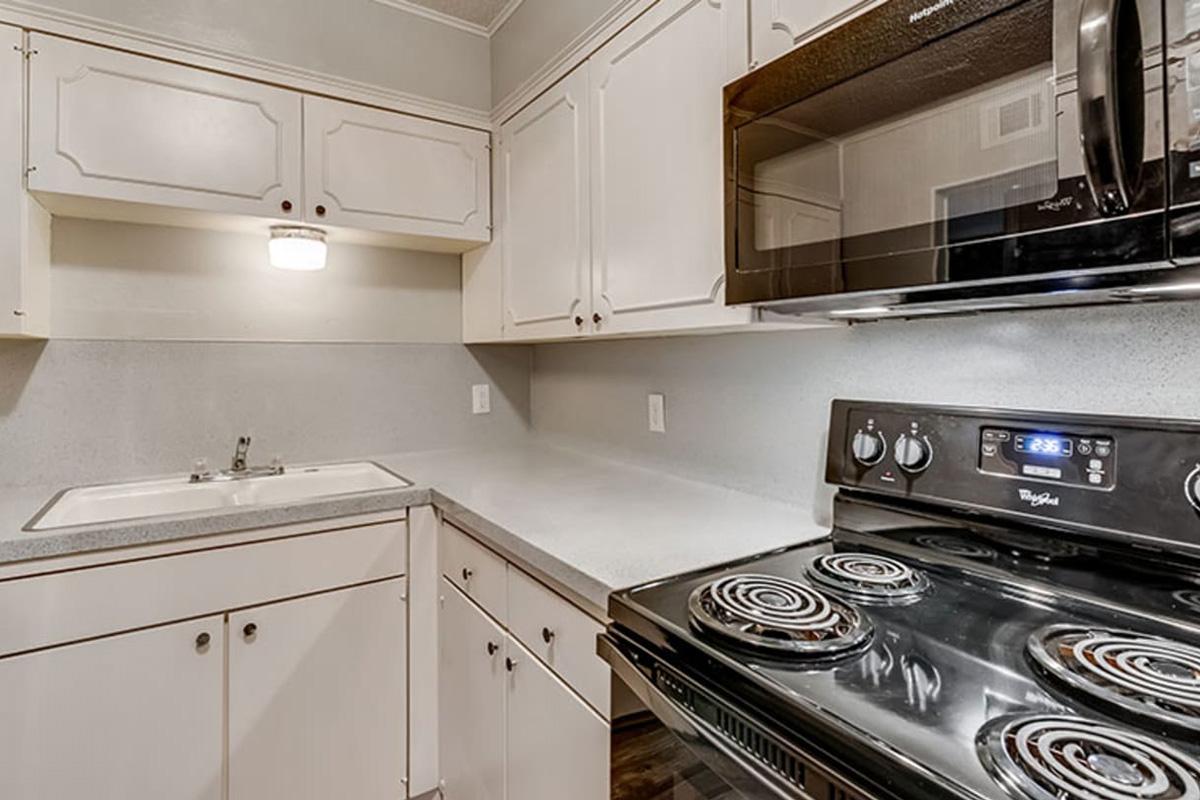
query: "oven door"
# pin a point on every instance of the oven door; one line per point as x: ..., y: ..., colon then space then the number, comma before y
x: 930, y: 143
x: 686, y: 745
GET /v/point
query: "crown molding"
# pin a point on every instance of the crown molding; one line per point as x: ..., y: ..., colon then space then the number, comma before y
x: 437, y: 16
x: 574, y: 53
x: 43, y: 19
x: 502, y: 17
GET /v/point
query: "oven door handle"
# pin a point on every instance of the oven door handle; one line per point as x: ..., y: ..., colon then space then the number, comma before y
x: 718, y: 753
x: 1111, y: 94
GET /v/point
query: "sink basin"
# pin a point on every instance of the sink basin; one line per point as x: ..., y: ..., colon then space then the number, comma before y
x: 122, y: 501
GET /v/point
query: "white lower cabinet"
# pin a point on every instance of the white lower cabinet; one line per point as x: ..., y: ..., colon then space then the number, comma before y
x: 140, y: 715
x: 288, y: 679
x: 471, y: 680
x: 511, y: 727
x: 558, y: 746
x: 317, y: 690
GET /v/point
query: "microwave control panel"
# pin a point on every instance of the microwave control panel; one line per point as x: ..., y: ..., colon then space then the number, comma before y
x: 1086, y: 461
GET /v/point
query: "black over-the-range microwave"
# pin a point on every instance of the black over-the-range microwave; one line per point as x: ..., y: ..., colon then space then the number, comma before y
x: 960, y: 155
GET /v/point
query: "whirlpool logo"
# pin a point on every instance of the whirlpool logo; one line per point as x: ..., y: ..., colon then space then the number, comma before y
x: 1037, y: 499
x: 929, y: 11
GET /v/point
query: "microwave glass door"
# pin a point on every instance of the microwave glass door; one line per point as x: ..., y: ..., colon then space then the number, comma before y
x: 952, y: 162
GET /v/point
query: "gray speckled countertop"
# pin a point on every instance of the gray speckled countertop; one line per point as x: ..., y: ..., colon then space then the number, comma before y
x: 587, y: 525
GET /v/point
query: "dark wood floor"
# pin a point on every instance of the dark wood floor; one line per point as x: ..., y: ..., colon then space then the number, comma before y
x: 649, y: 763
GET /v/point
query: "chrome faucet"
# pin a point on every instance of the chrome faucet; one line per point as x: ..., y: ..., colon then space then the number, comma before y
x: 238, y: 468
x: 239, y: 455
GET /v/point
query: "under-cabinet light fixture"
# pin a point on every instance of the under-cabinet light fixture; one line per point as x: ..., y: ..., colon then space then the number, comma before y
x: 298, y: 248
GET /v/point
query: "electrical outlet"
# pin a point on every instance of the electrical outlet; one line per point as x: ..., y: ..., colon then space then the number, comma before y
x: 481, y: 398
x: 658, y: 413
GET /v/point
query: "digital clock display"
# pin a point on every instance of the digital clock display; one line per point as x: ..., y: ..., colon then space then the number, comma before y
x: 1041, y: 444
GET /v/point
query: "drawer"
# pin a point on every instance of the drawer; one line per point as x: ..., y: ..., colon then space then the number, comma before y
x: 84, y: 603
x: 476, y: 570
x: 560, y: 635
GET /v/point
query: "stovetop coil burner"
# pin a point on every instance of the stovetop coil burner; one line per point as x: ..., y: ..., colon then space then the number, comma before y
x: 1052, y: 757
x: 778, y: 614
x: 868, y: 578
x: 1147, y: 676
x: 957, y: 546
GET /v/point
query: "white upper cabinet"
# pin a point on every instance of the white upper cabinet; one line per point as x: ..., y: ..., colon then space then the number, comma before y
x: 317, y: 690
x: 110, y: 125
x: 543, y: 175
x: 776, y: 26
x: 24, y: 225
x: 657, y: 207
x: 376, y: 170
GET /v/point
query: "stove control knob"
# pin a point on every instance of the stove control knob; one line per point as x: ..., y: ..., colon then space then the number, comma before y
x: 913, y: 452
x: 868, y: 447
x: 1191, y: 488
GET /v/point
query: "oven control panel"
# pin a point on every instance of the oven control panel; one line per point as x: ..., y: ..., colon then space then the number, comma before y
x: 1122, y: 476
x: 1065, y: 458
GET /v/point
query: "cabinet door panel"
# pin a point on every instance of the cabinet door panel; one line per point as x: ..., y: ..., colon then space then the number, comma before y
x: 557, y: 746
x: 377, y: 170
x: 112, y: 125
x: 131, y: 716
x: 657, y: 215
x: 546, y: 243
x: 776, y: 26
x: 24, y: 225
x: 471, y: 685
x: 317, y: 697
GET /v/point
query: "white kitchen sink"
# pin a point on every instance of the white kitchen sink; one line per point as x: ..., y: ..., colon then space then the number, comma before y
x: 122, y: 501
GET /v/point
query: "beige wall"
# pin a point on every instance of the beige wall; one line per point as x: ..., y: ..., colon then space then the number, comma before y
x: 534, y: 34
x: 123, y: 281
x: 362, y: 40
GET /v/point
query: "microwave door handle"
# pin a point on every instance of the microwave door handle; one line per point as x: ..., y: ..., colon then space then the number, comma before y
x: 1101, y: 88
x: 708, y: 744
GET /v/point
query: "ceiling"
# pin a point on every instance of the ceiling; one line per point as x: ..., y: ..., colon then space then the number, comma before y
x: 476, y: 12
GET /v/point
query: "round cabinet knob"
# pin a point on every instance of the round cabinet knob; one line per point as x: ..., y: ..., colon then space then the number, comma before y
x: 578, y: 321
x: 467, y: 573
x: 1191, y: 488
x: 868, y: 447
x: 202, y: 641
x: 913, y: 453
x: 510, y: 664
x: 547, y: 635
x: 250, y: 630
x: 286, y: 205
x: 492, y: 647
x: 320, y: 211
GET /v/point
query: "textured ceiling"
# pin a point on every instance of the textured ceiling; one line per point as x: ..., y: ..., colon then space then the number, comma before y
x: 480, y: 12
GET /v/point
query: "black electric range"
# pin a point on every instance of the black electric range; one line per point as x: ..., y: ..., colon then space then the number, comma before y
x: 1008, y: 607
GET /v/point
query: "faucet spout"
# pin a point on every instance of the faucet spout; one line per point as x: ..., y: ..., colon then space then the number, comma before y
x: 240, y: 454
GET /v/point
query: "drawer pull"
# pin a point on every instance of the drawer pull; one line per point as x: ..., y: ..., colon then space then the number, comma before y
x: 547, y: 635
x: 249, y: 631
x: 466, y: 573
x: 492, y: 648
x: 202, y: 642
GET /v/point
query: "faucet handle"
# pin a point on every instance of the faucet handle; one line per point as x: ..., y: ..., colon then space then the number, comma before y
x: 200, y: 470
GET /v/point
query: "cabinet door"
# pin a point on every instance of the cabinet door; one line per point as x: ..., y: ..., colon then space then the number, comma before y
x: 376, y: 170
x: 317, y: 697
x: 24, y: 225
x: 657, y: 208
x: 543, y: 171
x: 471, y: 686
x: 557, y: 746
x: 111, y: 125
x: 132, y: 716
x: 776, y: 26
